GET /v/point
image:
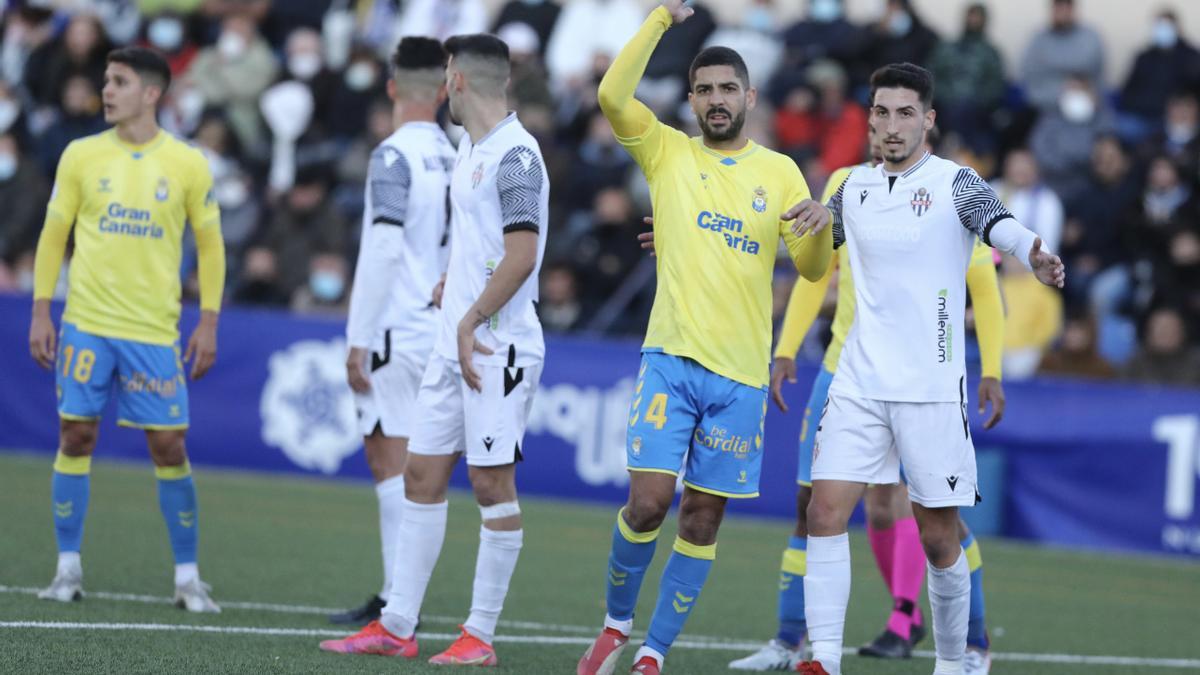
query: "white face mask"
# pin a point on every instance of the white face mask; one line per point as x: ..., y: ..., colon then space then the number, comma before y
x: 824, y: 11
x: 900, y: 24
x: 305, y: 65
x: 360, y: 76
x: 8, y: 113
x: 8, y: 165
x: 1164, y: 34
x: 231, y: 45
x: 231, y: 193
x: 1077, y: 106
x: 25, y: 280
x: 165, y: 33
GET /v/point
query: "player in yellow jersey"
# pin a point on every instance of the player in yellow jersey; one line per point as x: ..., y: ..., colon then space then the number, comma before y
x: 720, y: 201
x: 127, y: 194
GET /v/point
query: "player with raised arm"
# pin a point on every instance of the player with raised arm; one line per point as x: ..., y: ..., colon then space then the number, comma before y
x: 701, y: 389
x: 890, y: 525
x: 392, y: 322
x: 477, y: 390
x: 900, y: 395
x: 128, y: 194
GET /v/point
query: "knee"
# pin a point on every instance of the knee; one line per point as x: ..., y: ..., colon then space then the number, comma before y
x: 645, y: 513
x: 78, y: 439
x: 699, y: 525
x: 879, y: 511
x: 803, y: 499
x: 421, y: 484
x: 941, y: 543
x: 825, y: 517
x: 167, y: 448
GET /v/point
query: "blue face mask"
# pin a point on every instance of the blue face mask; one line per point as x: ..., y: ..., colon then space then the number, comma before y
x: 326, y: 286
x: 760, y: 19
x: 825, y: 11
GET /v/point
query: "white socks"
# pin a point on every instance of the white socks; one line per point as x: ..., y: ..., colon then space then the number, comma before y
x: 422, y: 531
x: 498, y: 551
x: 69, y: 562
x: 826, y: 597
x: 649, y: 651
x: 391, y: 508
x: 186, y: 572
x: 950, y: 600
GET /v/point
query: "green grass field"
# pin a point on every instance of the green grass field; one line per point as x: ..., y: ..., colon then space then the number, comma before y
x: 303, y: 545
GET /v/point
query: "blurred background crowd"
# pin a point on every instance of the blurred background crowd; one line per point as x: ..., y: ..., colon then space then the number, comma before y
x: 287, y: 98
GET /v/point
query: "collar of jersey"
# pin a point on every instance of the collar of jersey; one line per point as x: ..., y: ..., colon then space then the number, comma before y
x: 911, y: 170
x: 144, y: 147
x: 512, y: 116
x: 725, y: 158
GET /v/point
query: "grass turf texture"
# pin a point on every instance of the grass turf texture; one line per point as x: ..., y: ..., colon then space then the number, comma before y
x: 293, y: 541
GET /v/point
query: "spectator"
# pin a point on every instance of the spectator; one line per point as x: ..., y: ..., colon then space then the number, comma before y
x: 23, y: 196
x: 1179, y: 135
x: 259, y: 283
x: 797, y: 123
x: 81, y: 50
x: 605, y: 255
x: 900, y: 36
x: 1077, y: 355
x: 121, y: 18
x: 327, y: 289
x: 233, y: 186
x: 756, y: 39
x: 970, y: 82
x: 540, y: 15
x: 27, y: 28
x: 306, y: 65
x: 824, y: 33
x: 1034, y: 204
x: 585, y: 29
x: 1063, y: 138
x: 12, y: 117
x: 1168, y: 65
x: 843, y: 121
x: 305, y: 225
x: 363, y: 82
x: 168, y: 33
x: 1033, y: 319
x: 1168, y: 208
x: 233, y: 73
x: 528, y: 88
x: 599, y: 164
x: 81, y: 116
x: 442, y: 18
x: 1064, y: 50
x: 559, y: 308
x: 1166, y: 355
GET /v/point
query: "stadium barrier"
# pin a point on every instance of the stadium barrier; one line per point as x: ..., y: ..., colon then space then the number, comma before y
x: 1098, y: 465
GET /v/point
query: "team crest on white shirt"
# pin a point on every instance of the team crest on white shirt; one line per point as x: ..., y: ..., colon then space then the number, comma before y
x: 163, y: 190
x: 760, y: 199
x: 477, y: 176
x: 922, y: 200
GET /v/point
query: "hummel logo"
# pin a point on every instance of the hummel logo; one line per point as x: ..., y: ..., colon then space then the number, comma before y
x: 487, y: 442
x: 953, y: 481
x: 862, y: 197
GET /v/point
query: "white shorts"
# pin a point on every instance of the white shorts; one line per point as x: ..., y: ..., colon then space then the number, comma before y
x: 395, y: 376
x: 488, y: 426
x: 865, y: 441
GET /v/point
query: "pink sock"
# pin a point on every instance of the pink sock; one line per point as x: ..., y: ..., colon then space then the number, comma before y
x: 908, y: 573
x: 883, y: 545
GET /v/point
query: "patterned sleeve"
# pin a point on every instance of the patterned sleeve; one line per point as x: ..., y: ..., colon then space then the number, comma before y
x: 978, y: 206
x: 835, y: 207
x: 390, y: 178
x: 520, y: 183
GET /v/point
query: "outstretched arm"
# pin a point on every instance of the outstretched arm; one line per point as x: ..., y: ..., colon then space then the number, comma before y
x: 629, y: 117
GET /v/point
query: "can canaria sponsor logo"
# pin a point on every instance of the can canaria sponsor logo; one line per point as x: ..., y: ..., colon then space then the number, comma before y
x: 730, y: 229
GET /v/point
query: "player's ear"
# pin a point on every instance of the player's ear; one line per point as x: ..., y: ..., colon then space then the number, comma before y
x: 441, y: 94
x: 930, y: 119
x: 751, y: 98
x: 391, y: 89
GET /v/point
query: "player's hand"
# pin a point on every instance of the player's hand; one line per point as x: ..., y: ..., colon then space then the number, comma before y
x: 41, y: 335
x: 679, y: 10
x: 991, y: 390
x: 202, y: 346
x: 646, y: 239
x: 356, y: 372
x: 811, y: 217
x: 1048, y: 268
x: 467, y: 346
x: 438, y: 290
x: 785, y: 369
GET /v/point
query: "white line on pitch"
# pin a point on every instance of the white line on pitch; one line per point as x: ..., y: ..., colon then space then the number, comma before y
x: 1071, y: 659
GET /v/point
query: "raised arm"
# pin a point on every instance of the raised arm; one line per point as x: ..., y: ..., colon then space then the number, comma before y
x: 629, y: 117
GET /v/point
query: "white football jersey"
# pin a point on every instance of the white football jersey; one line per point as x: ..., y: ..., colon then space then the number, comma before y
x: 910, y: 244
x: 499, y: 185
x: 404, y: 249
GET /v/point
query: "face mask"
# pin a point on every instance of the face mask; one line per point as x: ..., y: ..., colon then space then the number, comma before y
x: 231, y: 193
x: 1164, y: 34
x: 304, y: 66
x: 825, y: 11
x: 166, y: 34
x: 1077, y: 106
x: 231, y: 45
x: 25, y: 281
x: 900, y: 24
x: 8, y: 166
x: 360, y: 76
x: 326, y: 286
x: 8, y: 113
x: 1180, y: 134
x: 760, y: 19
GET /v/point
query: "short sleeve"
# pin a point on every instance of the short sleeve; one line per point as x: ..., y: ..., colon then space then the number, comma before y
x: 390, y: 179
x: 202, y: 208
x: 977, y: 204
x: 519, y: 181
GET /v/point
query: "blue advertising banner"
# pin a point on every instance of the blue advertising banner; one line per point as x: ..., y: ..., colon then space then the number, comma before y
x: 1084, y: 464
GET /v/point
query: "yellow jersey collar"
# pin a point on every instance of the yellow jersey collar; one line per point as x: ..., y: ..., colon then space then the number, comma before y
x: 725, y: 158
x: 138, y: 151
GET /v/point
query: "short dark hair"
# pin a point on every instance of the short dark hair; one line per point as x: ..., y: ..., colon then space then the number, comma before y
x: 904, y: 76
x: 418, y: 53
x: 719, y: 56
x: 147, y: 63
x: 479, y: 45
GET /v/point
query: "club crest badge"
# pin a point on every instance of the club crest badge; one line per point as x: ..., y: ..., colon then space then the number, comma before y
x: 921, y: 202
x: 163, y: 190
x: 760, y: 199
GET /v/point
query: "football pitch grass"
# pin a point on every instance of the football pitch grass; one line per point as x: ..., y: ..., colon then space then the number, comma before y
x: 280, y: 551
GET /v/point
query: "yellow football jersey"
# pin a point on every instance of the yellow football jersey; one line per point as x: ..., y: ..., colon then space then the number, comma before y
x: 129, y: 205
x: 716, y: 228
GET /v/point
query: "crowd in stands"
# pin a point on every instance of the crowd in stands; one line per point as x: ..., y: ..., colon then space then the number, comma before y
x: 287, y: 98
